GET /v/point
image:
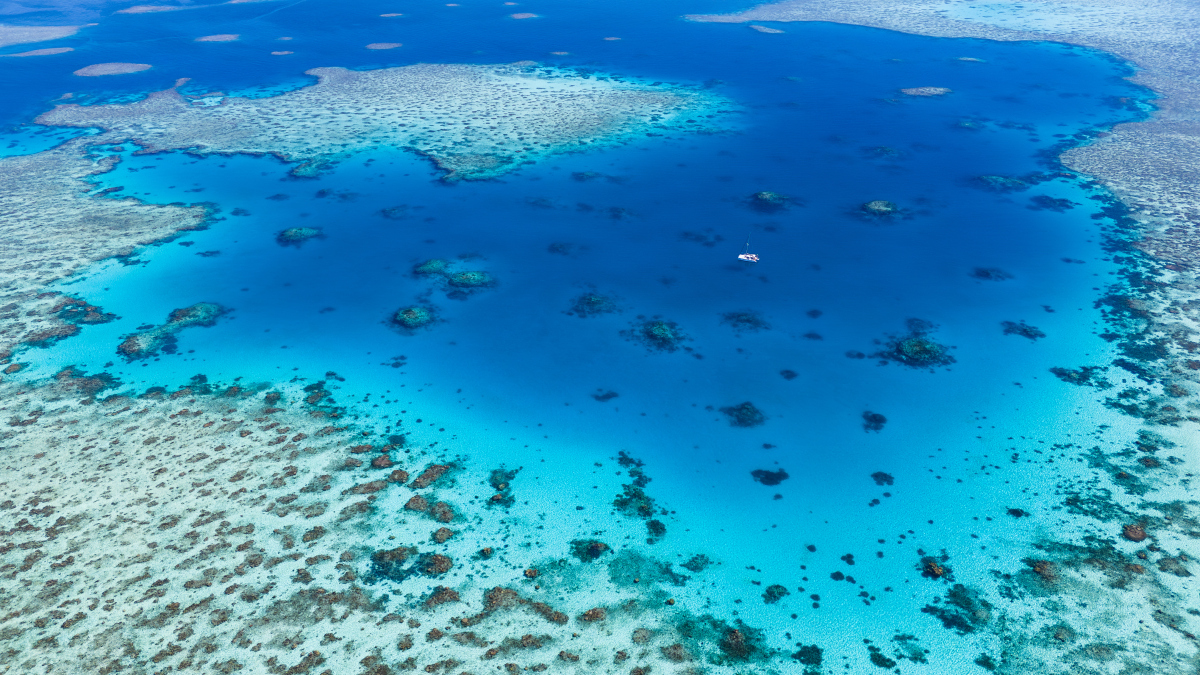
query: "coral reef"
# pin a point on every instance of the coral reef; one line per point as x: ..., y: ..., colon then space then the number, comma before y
x: 1084, y: 376
x: 767, y: 477
x: 592, y: 304
x: 295, y: 236
x: 774, y: 593
x: 745, y: 321
x: 457, y: 284
x: 470, y: 280
x: 1023, y: 329
x: 244, y: 538
x: 873, y: 421
x: 744, y: 415
x: 656, y: 334
x: 431, y: 267
x: 916, y: 349
x: 925, y: 91
x: 768, y: 202
x: 163, y: 339
x: 357, y: 110
x: 990, y: 274
x: 588, y: 550
x: 1001, y: 183
x: 880, y: 207
x: 414, y: 317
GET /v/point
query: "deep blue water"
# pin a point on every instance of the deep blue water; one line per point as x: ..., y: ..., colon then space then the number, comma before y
x: 508, y: 373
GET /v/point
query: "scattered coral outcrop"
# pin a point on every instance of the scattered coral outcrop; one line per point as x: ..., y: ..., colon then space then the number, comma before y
x: 916, y: 348
x: 295, y: 236
x: 163, y: 339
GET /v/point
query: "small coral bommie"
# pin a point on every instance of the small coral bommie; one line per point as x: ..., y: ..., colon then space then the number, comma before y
x: 592, y: 304
x: 880, y: 207
x: 1000, y: 183
x: 990, y: 274
x: 588, y: 550
x: 744, y: 415
x: 658, y: 335
x: 471, y: 280
x: 1023, y: 329
x: 431, y: 267
x: 768, y: 201
x: 916, y: 349
x: 747, y: 321
x: 414, y: 317
x: 294, y: 236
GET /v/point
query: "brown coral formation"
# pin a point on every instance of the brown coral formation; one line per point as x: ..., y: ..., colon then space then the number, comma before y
x: 1134, y: 532
x: 429, y: 476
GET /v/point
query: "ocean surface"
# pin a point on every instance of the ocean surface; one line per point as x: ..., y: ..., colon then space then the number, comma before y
x: 510, y: 375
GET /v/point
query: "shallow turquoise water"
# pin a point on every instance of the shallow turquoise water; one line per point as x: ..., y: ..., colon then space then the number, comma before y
x: 510, y: 376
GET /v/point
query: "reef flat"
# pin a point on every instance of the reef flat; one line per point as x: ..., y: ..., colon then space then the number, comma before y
x: 50, y: 228
x: 221, y: 528
x: 473, y: 122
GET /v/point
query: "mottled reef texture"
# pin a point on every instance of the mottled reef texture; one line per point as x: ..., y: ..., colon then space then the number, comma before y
x: 1091, y: 602
x: 218, y: 529
x: 472, y: 121
x: 50, y: 228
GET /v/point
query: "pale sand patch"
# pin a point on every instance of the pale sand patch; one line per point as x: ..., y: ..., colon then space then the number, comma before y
x: 221, y: 37
x: 765, y: 29
x: 384, y: 45
x: 524, y: 15
x: 150, y: 9
x: 117, y: 68
x: 19, y: 35
x: 925, y: 91
x: 44, y: 52
x: 281, y: 53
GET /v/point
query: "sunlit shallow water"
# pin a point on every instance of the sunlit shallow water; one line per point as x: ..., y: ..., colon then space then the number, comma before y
x: 512, y: 378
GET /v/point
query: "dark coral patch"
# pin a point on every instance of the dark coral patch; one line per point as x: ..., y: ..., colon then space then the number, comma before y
x: 915, y: 348
x: 744, y: 415
x: 769, y: 477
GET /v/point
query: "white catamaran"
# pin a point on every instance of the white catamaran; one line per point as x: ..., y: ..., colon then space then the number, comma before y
x: 746, y: 254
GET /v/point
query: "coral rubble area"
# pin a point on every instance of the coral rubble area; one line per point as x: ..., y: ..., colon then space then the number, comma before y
x: 1091, y: 576
x: 216, y: 529
x: 472, y: 121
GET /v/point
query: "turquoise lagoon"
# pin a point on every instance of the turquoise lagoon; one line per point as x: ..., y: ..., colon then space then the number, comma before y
x: 508, y: 375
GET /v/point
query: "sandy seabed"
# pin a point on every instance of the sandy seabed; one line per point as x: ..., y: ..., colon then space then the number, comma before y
x: 98, y: 69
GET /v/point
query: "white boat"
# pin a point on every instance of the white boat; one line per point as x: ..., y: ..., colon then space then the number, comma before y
x: 746, y: 255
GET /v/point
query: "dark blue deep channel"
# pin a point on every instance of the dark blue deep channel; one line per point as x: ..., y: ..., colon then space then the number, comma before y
x: 513, y: 376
